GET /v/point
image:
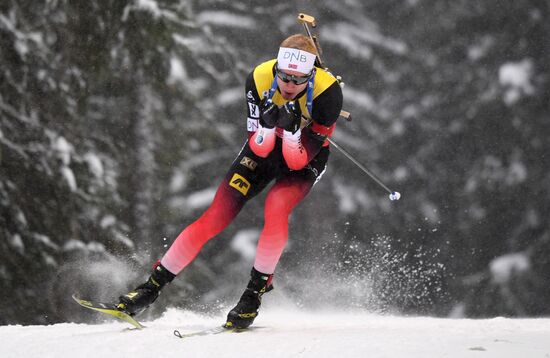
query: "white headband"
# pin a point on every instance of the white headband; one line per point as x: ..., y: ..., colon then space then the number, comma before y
x: 295, y: 60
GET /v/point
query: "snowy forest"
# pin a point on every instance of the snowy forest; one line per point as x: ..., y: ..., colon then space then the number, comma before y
x: 118, y: 119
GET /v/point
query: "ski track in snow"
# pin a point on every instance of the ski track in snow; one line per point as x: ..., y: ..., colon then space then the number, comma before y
x: 283, y: 333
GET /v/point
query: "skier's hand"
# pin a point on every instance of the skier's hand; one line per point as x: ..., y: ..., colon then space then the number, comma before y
x: 269, y: 113
x: 290, y: 117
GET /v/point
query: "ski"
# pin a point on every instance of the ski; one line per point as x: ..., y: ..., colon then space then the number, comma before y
x: 108, y: 308
x: 209, y: 332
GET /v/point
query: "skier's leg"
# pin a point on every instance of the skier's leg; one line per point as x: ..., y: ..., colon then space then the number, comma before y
x: 281, y: 199
x: 221, y: 212
x: 246, y: 177
x: 226, y: 205
x: 288, y: 191
x: 280, y: 202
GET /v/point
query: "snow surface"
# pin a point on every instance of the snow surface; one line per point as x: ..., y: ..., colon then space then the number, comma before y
x: 284, y: 333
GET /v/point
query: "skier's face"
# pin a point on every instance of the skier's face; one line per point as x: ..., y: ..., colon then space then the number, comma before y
x: 289, y: 89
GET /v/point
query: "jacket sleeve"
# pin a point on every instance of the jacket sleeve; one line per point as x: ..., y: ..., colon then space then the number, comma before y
x: 261, y: 140
x: 301, y: 147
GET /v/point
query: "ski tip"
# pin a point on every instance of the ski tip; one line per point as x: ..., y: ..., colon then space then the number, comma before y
x: 76, y: 297
x: 80, y: 301
x: 110, y: 309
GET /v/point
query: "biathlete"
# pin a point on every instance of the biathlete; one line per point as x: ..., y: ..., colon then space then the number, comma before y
x: 292, y: 108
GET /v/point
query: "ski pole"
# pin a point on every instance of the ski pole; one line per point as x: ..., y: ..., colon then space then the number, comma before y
x: 394, y: 195
x: 306, y: 21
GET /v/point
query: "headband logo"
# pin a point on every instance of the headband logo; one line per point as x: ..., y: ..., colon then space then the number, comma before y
x: 298, y: 56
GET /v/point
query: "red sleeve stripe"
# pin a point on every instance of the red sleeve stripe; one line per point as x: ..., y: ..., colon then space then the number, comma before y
x: 322, y: 130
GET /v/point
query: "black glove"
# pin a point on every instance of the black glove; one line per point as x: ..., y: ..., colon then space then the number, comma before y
x: 269, y: 113
x: 290, y: 117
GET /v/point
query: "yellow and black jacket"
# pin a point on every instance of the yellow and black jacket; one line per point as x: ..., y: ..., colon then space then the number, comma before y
x: 316, y: 126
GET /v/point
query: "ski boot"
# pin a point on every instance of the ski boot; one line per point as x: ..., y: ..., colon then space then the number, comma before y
x: 137, y: 300
x: 244, y: 313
